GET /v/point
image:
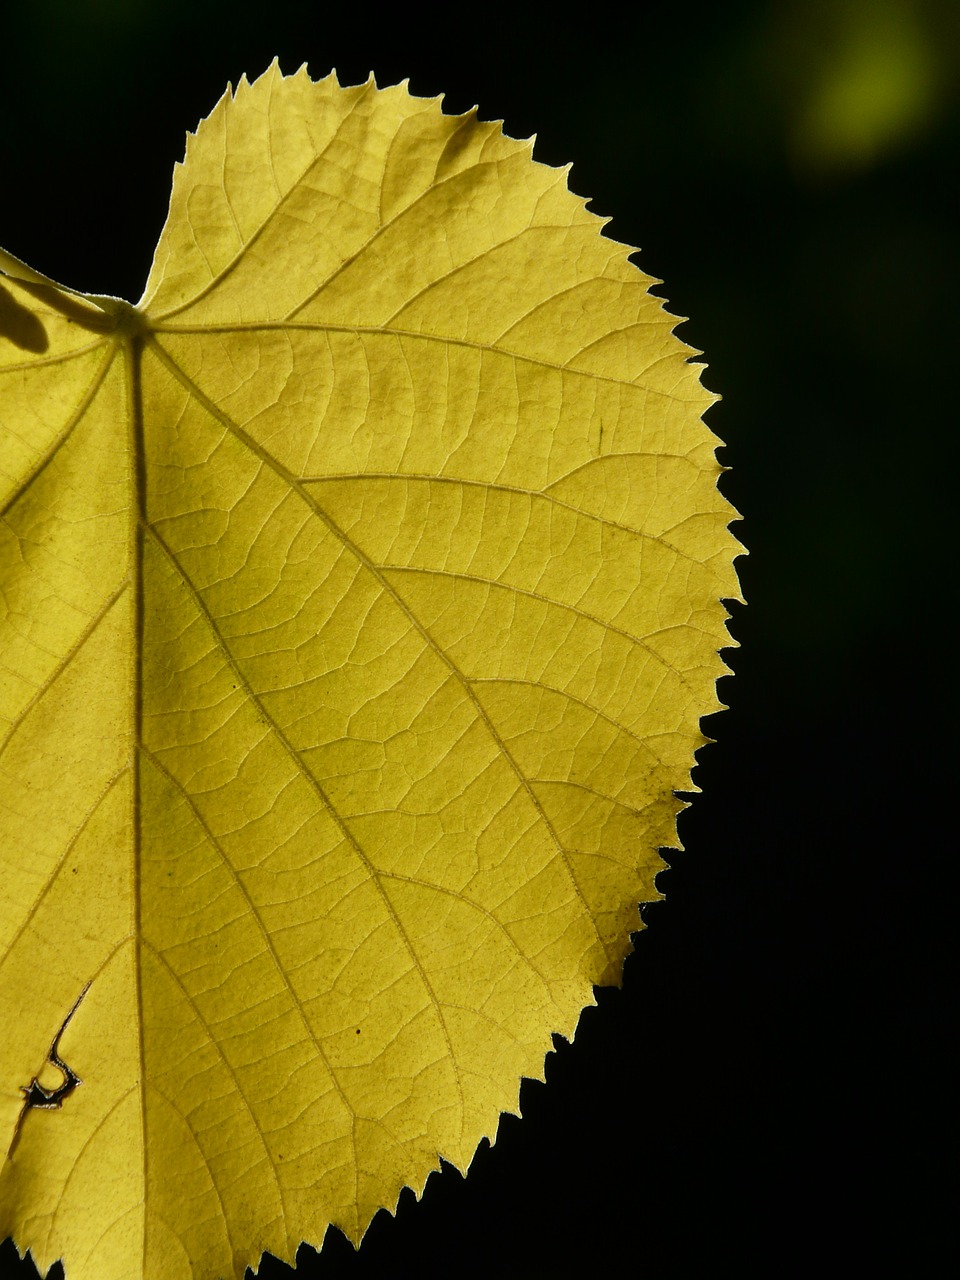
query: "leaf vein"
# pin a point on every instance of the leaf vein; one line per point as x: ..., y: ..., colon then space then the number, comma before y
x: 581, y: 702
x: 62, y: 665
x: 255, y: 913
x: 377, y: 331
x: 52, y: 877
x: 498, y: 487
x: 176, y: 979
x: 544, y: 599
x: 83, y: 404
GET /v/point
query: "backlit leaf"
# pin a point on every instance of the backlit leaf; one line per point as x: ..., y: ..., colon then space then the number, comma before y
x: 359, y: 600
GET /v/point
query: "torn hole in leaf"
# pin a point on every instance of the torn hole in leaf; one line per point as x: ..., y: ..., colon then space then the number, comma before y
x: 38, y: 1096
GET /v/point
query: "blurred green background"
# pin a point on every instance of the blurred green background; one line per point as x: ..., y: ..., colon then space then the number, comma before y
x: 757, y: 1092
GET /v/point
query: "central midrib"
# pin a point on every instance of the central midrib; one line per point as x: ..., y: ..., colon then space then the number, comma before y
x: 132, y: 343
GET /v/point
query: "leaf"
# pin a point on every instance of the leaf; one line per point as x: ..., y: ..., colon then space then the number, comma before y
x: 361, y: 596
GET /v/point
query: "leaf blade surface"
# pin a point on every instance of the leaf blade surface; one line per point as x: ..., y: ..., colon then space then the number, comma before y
x: 364, y: 595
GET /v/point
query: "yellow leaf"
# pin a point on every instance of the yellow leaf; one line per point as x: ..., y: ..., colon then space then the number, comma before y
x: 360, y: 596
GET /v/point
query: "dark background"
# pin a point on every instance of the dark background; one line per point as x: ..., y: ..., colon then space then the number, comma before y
x: 763, y: 1093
